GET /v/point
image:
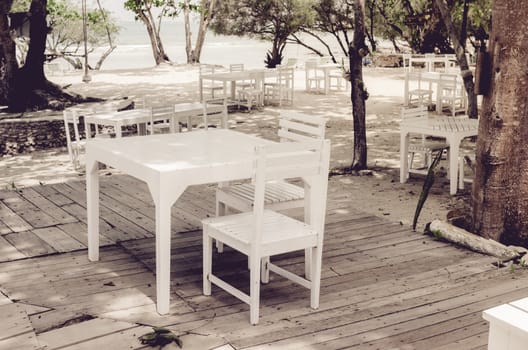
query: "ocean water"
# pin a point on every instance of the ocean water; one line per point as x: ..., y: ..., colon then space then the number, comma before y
x: 134, y: 50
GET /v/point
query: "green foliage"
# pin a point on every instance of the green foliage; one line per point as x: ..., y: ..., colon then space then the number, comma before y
x: 160, y: 337
x: 263, y: 19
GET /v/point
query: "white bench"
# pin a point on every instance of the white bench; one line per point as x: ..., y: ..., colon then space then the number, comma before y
x: 508, y: 328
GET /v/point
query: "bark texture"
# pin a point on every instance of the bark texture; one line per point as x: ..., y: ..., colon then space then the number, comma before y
x: 358, y: 94
x: 8, y: 63
x: 500, y: 190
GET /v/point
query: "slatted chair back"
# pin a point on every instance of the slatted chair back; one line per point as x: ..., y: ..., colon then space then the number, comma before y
x: 414, y: 112
x: 161, y: 117
x: 300, y: 127
x: 284, y: 161
x: 71, y: 117
x: 236, y: 67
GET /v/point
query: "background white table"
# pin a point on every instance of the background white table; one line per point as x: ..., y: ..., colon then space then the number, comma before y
x: 168, y: 163
x: 118, y: 120
x: 454, y: 129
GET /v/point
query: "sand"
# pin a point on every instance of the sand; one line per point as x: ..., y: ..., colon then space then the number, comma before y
x: 377, y: 192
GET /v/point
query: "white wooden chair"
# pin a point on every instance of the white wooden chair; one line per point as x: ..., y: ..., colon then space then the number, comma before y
x: 420, y: 95
x: 452, y: 94
x: 263, y: 233
x: 423, y: 147
x: 161, y: 117
x: 280, y: 90
x: 220, y: 114
x: 315, y: 79
x: 211, y: 88
x: 280, y: 195
x: 74, y: 143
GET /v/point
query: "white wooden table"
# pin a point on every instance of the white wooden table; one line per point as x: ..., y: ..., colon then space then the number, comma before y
x: 118, y: 120
x: 168, y: 163
x: 454, y: 129
x: 232, y: 77
x: 508, y: 326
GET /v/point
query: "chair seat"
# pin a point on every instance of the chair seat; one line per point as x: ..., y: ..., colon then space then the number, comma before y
x: 428, y: 146
x: 279, y: 232
x: 278, y: 195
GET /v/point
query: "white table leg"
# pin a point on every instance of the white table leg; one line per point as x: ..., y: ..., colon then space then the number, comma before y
x: 406, y: 89
x: 404, y: 160
x: 201, y: 89
x: 92, y: 208
x: 454, y: 146
x: 326, y: 81
x: 164, y: 196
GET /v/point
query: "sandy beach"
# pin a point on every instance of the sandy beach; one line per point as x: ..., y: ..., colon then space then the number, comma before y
x: 377, y: 191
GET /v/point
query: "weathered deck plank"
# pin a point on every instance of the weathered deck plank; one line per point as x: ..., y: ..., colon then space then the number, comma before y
x: 16, y: 331
x: 383, y: 286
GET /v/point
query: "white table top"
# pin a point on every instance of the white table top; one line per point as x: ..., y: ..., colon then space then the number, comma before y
x: 180, y: 154
x: 131, y: 116
x: 441, y: 126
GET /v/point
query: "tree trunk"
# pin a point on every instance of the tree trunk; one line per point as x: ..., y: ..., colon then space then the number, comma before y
x: 8, y: 62
x: 500, y: 188
x: 111, y: 46
x: 358, y: 95
x: 466, y: 73
x: 155, y: 41
x: 188, y: 34
x: 28, y: 88
x: 31, y: 76
x: 205, y: 18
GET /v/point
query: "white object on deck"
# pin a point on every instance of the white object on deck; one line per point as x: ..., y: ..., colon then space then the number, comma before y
x: 508, y: 328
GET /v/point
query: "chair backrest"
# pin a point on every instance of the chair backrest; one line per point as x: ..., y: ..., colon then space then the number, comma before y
x: 71, y: 116
x: 300, y: 127
x: 291, y: 62
x: 206, y: 69
x: 414, y: 112
x: 236, y: 67
x: 308, y: 159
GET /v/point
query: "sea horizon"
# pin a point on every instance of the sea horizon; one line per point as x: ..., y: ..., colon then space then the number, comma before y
x: 133, y: 49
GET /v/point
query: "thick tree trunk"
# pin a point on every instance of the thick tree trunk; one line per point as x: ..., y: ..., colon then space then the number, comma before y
x: 500, y: 189
x: 8, y: 62
x: 466, y: 73
x: 29, y: 89
x: 358, y: 95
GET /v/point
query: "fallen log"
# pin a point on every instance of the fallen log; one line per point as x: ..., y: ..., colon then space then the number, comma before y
x: 448, y: 232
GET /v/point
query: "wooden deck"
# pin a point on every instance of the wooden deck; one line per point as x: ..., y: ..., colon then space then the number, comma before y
x: 384, y: 286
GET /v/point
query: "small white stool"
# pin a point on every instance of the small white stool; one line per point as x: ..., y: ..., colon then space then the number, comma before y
x: 508, y: 328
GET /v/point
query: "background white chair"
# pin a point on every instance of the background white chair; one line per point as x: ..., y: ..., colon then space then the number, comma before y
x: 424, y: 147
x: 420, y: 95
x: 161, y: 117
x: 281, y: 90
x: 211, y: 88
x: 74, y: 143
x: 314, y: 77
x: 452, y: 95
x: 263, y: 233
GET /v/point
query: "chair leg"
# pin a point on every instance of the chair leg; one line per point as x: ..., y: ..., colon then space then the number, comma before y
x: 254, y: 290
x: 317, y: 260
x: 220, y: 211
x: 264, y: 269
x: 207, y: 262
